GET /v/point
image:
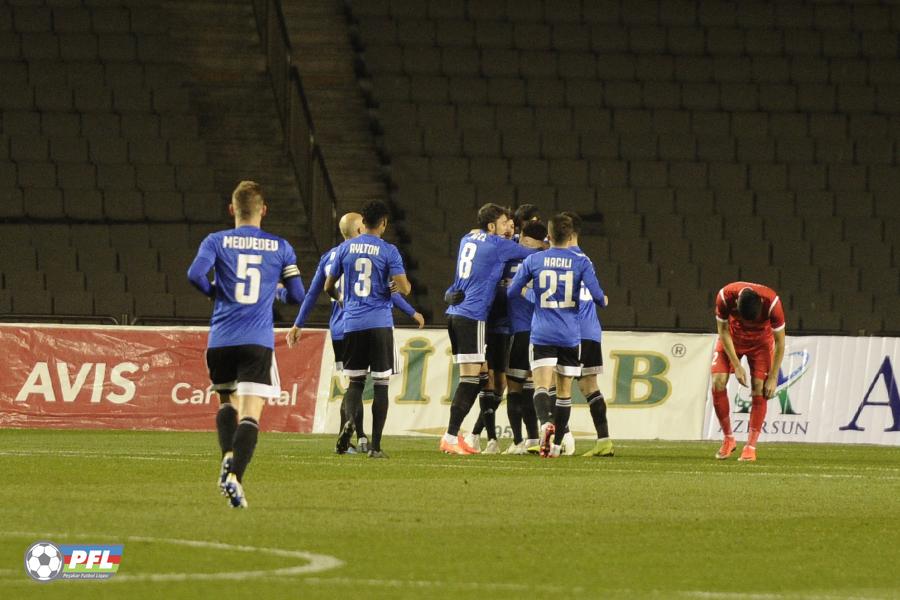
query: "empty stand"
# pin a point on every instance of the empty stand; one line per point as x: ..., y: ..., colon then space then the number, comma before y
x: 715, y: 141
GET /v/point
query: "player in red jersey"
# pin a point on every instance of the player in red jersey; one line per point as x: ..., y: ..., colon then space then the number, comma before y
x: 750, y: 320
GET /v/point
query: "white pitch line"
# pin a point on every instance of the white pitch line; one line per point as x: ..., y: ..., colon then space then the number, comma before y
x: 424, y: 583
x: 464, y: 463
x: 316, y: 563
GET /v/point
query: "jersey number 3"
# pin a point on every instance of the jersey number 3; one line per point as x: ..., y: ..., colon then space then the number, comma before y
x: 246, y: 291
x: 363, y: 286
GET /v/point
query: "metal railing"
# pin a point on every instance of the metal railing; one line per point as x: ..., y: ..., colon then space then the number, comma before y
x: 316, y: 189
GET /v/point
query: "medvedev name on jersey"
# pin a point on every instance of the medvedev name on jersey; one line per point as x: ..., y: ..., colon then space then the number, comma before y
x: 237, y: 242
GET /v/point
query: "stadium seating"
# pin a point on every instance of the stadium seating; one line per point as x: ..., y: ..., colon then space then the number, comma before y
x: 714, y: 141
x: 109, y: 171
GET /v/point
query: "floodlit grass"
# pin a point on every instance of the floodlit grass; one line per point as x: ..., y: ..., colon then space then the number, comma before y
x: 661, y: 520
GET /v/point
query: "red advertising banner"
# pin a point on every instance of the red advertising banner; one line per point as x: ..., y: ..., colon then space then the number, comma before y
x: 73, y: 377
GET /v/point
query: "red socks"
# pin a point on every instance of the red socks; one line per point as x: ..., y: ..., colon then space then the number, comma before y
x: 757, y: 419
x: 723, y: 411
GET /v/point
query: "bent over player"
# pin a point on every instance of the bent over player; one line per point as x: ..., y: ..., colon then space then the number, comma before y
x: 248, y: 265
x: 750, y: 321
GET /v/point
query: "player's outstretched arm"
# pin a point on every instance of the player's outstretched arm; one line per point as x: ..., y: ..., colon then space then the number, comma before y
x: 589, y: 278
x: 772, y: 379
x: 728, y: 344
x: 312, y: 294
x: 401, y: 303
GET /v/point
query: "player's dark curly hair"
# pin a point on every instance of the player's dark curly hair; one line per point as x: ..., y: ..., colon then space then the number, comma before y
x: 561, y: 229
x: 489, y: 213
x: 749, y: 304
x: 576, y: 220
x: 374, y: 212
x: 535, y: 230
x: 525, y: 213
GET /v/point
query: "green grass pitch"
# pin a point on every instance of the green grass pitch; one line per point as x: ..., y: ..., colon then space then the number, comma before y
x: 660, y: 520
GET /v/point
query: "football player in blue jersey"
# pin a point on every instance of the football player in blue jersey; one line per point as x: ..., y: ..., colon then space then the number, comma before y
x: 350, y: 226
x: 519, y: 401
x: 556, y: 276
x: 493, y: 383
x: 479, y: 265
x: 372, y: 269
x: 591, y: 357
x: 248, y: 264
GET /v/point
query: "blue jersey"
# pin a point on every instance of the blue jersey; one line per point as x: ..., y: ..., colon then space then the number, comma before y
x: 479, y: 266
x: 336, y: 322
x: 498, y: 316
x: 519, y: 309
x: 367, y: 264
x: 587, y: 312
x: 248, y: 264
x: 557, y: 276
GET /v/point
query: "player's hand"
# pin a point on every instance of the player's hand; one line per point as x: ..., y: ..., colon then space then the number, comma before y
x: 605, y: 300
x: 741, y: 375
x: 393, y: 286
x: 279, y: 286
x: 293, y: 336
x: 418, y: 318
x: 454, y: 297
x: 769, y: 387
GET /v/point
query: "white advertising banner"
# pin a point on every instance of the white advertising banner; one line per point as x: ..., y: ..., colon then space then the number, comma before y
x: 655, y: 385
x: 831, y: 389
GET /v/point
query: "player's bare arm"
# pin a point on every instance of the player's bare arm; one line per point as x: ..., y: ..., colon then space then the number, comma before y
x: 728, y: 343
x: 772, y: 378
x: 399, y: 283
x: 331, y: 288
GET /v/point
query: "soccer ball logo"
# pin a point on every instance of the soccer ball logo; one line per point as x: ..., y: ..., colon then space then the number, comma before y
x: 43, y: 561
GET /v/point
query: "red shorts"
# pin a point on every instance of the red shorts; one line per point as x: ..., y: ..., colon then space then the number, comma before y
x: 759, y: 355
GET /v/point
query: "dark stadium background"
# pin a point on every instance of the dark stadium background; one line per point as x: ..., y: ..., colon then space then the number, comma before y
x: 704, y: 142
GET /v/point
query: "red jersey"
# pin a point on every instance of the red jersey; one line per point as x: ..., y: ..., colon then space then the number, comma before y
x: 744, y: 331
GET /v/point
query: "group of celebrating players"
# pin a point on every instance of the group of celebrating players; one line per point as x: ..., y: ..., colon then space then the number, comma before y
x: 522, y: 313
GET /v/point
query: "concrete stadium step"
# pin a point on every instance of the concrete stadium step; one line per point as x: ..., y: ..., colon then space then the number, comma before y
x: 219, y: 45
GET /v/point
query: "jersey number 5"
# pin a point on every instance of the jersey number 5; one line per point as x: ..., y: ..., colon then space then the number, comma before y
x: 246, y: 291
x: 464, y: 270
x: 549, y: 280
x: 363, y: 286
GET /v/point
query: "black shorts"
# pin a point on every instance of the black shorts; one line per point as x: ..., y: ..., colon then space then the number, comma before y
x: 467, y: 339
x: 247, y: 370
x: 370, y: 351
x: 591, y: 357
x: 519, y: 367
x: 564, y: 359
x: 338, y: 347
x: 498, y: 351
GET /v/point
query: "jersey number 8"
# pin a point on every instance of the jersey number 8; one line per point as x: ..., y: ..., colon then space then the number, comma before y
x: 465, y: 260
x: 363, y: 286
x: 247, y: 290
x: 549, y: 280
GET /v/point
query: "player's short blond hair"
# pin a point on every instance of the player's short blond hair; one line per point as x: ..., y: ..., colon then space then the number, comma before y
x: 247, y: 199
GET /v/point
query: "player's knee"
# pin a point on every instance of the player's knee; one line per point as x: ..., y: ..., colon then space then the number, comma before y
x: 719, y: 382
